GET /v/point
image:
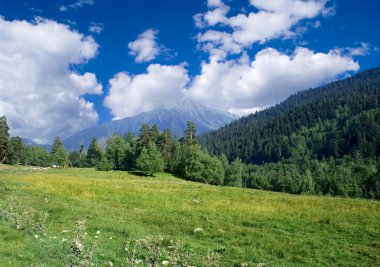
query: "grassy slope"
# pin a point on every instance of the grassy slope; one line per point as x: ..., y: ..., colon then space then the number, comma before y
x: 254, y: 226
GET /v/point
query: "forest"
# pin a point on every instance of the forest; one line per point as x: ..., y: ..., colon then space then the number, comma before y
x: 322, y: 141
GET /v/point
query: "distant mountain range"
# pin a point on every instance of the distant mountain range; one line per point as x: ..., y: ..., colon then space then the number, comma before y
x: 173, y: 116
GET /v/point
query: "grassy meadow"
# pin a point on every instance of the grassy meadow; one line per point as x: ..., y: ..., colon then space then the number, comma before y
x: 243, y: 227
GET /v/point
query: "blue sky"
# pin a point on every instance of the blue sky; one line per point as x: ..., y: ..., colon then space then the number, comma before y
x: 76, y: 63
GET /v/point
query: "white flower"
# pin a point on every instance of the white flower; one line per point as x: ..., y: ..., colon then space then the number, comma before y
x: 110, y: 263
x: 98, y: 232
x: 198, y: 230
x: 35, y: 236
x: 165, y: 263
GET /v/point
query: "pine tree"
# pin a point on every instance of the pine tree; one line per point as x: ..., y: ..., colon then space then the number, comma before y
x: 190, y: 132
x: 60, y: 157
x: 166, y: 146
x: 94, y: 153
x: 174, y: 165
x: 16, y: 150
x: 144, y: 136
x: 58, y: 153
x: 56, y: 144
x: 75, y: 159
x: 154, y: 134
x: 4, y: 138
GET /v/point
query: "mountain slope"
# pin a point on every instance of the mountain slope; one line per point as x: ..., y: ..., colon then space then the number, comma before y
x: 173, y: 116
x: 316, y: 123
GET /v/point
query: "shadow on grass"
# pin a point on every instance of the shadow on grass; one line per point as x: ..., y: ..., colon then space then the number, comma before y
x: 139, y: 173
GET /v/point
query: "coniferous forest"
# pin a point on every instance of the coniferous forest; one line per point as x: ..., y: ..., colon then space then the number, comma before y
x: 323, y: 141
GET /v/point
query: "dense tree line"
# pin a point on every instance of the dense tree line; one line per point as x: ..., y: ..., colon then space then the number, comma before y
x: 154, y: 151
x: 267, y: 135
x: 14, y: 151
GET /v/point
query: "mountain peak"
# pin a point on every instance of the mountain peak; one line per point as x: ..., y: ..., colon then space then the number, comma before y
x: 173, y: 116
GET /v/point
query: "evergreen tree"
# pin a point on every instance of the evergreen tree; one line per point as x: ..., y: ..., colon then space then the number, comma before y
x: 166, y: 146
x: 60, y: 157
x: 75, y: 159
x: 234, y: 174
x: 175, y: 163
x: 58, y: 153
x: 83, y: 157
x: 4, y: 138
x: 150, y: 160
x: 154, y: 134
x: 94, y: 153
x: 131, y: 150
x: 144, y: 136
x: 190, y: 132
x: 16, y: 150
x: 57, y: 143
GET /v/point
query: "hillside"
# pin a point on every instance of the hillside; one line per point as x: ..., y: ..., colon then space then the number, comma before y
x: 237, y: 225
x: 341, y: 118
x: 173, y: 117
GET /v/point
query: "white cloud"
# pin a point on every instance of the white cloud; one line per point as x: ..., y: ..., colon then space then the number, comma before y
x: 216, y: 16
x: 214, y: 3
x: 145, y: 48
x: 274, y: 19
x: 77, y: 4
x: 39, y: 94
x: 242, y: 86
x: 96, y: 27
x: 131, y: 95
x: 218, y: 44
x: 362, y: 50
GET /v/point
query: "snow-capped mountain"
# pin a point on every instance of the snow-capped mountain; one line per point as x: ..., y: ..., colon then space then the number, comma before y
x: 173, y: 116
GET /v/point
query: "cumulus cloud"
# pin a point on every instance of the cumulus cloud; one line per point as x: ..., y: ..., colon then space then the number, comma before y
x: 77, y: 4
x: 39, y: 93
x: 273, y: 19
x: 243, y: 86
x: 96, y: 27
x: 145, y: 48
x: 130, y: 95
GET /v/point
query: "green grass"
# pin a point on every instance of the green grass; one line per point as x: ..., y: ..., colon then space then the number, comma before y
x: 251, y: 226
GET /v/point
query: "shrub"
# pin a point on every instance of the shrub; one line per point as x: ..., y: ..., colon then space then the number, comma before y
x: 104, y: 165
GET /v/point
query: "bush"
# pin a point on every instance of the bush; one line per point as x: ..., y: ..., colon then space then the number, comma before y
x: 104, y: 165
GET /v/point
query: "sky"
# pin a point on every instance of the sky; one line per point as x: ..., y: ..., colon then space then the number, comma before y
x: 66, y: 65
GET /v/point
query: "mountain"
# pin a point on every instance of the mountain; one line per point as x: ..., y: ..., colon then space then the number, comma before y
x: 338, y: 119
x: 173, y: 116
x: 30, y: 142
